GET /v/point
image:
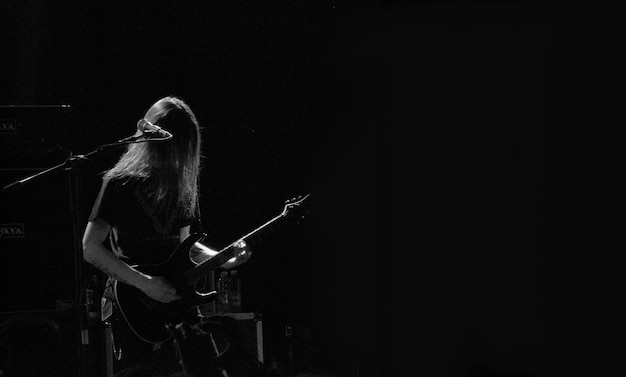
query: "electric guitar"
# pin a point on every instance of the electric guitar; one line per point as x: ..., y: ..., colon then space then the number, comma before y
x: 147, y: 317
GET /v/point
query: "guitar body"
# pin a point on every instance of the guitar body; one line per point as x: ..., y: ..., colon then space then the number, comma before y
x: 147, y: 317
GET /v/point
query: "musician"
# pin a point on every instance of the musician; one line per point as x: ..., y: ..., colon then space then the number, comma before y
x: 147, y: 205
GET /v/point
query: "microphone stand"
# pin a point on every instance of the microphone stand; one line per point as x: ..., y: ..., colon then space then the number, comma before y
x: 73, y: 166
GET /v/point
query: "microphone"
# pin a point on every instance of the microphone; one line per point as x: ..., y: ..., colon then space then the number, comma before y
x: 148, y: 131
x: 151, y: 130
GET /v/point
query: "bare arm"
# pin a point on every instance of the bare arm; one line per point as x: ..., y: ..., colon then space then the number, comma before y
x: 96, y: 254
x: 200, y: 252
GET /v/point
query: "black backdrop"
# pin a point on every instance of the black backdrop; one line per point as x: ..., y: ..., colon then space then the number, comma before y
x: 421, y: 135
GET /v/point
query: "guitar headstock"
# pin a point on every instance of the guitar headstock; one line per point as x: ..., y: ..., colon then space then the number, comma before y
x: 296, y: 207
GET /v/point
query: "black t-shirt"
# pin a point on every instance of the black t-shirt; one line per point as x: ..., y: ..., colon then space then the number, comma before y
x: 139, y: 234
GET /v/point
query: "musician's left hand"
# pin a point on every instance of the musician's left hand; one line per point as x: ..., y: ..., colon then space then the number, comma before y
x: 242, y: 255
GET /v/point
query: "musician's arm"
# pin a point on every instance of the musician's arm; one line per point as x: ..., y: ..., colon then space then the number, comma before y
x: 200, y: 252
x: 96, y: 254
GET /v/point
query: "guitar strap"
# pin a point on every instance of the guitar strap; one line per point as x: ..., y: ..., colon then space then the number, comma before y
x: 106, y: 309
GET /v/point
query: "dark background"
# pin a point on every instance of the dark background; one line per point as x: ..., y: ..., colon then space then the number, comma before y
x: 419, y: 130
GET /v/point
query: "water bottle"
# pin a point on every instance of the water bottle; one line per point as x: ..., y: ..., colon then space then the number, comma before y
x: 234, y: 292
x: 222, y: 293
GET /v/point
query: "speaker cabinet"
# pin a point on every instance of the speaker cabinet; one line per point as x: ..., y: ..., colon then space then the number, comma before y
x: 251, y: 330
x: 35, y: 136
x: 232, y: 342
x: 41, y: 343
x: 37, y: 257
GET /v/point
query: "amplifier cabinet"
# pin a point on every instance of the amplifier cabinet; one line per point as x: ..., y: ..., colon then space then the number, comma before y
x: 251, y: 328
x: 35, y: 136
x: 37, y: 256
x: 231, y: 341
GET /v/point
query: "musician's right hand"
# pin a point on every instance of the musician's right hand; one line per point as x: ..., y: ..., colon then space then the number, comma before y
x: 159, y: 289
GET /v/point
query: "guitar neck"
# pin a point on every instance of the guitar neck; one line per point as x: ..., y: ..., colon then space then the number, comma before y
x: 202, y: 270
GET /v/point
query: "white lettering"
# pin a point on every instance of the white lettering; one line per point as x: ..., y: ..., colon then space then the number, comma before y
x: 11, y: 230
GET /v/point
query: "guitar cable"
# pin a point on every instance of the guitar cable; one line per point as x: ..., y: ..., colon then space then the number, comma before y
x: 109, y: 330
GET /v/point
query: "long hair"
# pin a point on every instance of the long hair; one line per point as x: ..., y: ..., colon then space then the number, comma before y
x: 171, y: 168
